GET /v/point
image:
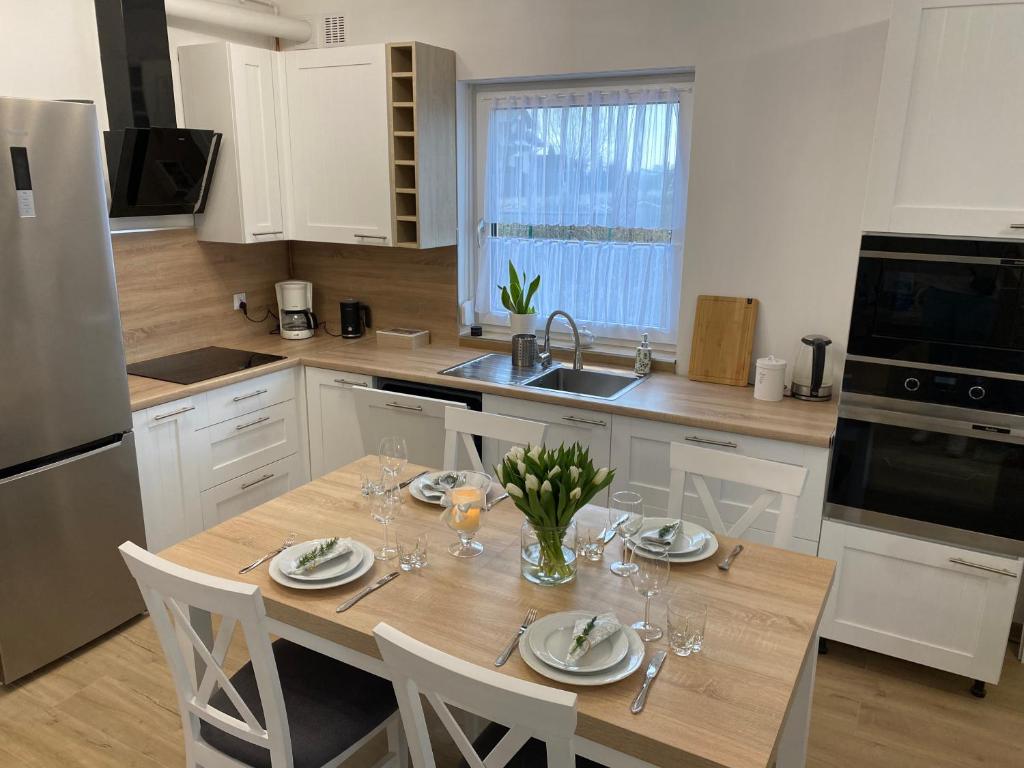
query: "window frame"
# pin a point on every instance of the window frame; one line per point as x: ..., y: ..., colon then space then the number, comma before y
x: 476, y: 153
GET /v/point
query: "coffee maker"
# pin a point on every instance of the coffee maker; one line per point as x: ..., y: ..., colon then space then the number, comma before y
x: 295, y: 309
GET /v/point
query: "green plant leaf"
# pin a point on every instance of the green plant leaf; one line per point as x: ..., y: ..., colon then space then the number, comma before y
x: 530, y: 293
x: 506, y: 299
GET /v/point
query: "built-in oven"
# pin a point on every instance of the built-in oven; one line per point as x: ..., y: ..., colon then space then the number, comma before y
x: 947, y: 303
x: 936, y: 453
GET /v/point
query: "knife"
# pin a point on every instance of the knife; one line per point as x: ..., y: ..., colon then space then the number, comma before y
x: 609, y: 532
x: 367, y: 590
x: 408, y: 482
x: 652, y: 672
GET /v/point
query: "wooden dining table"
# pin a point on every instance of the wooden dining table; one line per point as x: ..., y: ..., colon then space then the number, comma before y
x: 742, y: 702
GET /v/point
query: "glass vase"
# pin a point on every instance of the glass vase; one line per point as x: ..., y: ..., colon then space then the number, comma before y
x: 548, y: 555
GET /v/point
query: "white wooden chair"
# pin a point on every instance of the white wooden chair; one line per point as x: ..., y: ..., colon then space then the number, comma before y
x: 532, y: 725
x: 775, y: 479
x: 289, y: 707
x: 465, y: 424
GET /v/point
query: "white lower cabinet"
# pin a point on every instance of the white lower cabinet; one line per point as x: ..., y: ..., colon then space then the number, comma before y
x: 922, y: 601
x: 334, y: 437
x: 640, y: 454
x: 167, y: 447
x: 251, y: 489
x: 196, y: 454
x: 420, y: 420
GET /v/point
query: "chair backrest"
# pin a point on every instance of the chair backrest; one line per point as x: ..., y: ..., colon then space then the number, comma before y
x: 774, y: 478
x: 527, y: 709
x: 171, y: 592
x: 465, y: 424
x: 420, y: 420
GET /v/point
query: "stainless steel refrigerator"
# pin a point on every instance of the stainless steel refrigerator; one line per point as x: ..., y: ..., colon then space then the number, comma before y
x: 69, y: 488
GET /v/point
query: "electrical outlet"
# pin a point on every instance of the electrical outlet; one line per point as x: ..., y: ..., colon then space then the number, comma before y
x: 237, y: 301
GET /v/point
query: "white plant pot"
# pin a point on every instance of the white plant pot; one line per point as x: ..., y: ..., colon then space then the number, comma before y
x: 522, y: 323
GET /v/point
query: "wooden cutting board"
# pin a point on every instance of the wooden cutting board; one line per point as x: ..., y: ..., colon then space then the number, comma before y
x: 723, y: 340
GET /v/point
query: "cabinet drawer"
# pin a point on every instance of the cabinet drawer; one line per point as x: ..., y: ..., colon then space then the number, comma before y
x: 249, y: 396
x: 930, y: 603
x: 190, y: 410
x: 640, y: 454
x: 242, y: 444
x: 250, y: 490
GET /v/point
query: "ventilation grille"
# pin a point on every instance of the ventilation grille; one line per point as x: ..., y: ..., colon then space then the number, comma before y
x: 334, y: 30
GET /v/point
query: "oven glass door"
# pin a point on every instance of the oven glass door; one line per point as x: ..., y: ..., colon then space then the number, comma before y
x: 967, y: 313
x: 945, y: 478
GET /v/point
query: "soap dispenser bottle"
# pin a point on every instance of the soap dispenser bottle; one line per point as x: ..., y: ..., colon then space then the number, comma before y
x: 642, y: 366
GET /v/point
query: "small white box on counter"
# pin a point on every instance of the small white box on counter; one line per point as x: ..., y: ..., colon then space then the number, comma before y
x: 403, y: 338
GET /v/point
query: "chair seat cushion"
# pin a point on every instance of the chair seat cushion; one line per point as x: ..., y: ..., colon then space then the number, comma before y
x: 533, y: 753
x: 330, y: 706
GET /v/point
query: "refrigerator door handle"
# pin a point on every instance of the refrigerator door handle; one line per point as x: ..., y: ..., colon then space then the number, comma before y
x: 67, y: 460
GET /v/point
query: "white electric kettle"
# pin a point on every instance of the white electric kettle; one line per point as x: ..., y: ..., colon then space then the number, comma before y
x: 812, y: 373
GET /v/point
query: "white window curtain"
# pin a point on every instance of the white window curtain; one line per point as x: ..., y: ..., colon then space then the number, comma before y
x: 587, y: 189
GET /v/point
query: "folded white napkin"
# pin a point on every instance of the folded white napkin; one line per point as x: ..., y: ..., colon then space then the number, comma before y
x: 586, y: 637
x: 343, y: 547
x: 663, y: 536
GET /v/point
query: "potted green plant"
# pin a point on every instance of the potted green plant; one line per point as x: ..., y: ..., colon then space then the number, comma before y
x: 549, y: 487
x: 518, y: 302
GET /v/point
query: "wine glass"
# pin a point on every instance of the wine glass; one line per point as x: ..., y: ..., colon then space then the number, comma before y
x: 649, y: 578
x: 393, y: 457
x: 384, y: 511
x: 628, y: 507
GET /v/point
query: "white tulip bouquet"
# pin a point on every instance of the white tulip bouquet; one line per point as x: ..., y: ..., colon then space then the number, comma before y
x: 549, y: 486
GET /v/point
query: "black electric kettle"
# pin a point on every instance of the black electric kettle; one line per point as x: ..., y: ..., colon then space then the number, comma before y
x: 355, y: 319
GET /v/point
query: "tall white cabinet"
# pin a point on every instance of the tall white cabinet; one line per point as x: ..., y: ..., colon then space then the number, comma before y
x: 948, y: 156
x: 234, y: 89
x: 338, y: 131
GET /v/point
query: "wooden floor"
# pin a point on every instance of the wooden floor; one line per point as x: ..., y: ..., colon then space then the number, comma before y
x: 112, y: 704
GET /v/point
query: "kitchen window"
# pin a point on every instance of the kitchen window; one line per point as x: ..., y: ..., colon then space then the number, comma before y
x: 585, y: 186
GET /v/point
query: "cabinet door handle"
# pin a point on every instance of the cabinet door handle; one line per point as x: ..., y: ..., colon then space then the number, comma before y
x: 257, y: 481
x: 253, y: 423
x: 980, y: 567
x: 405, y: 407
x: 581, y: 420
x: 371, y: 237
x: 707, y: 441
x: 268, y: 234
x: 350, y: 383
x: 240, y: 398
x: 1017, y: 226
x: 178, y: 412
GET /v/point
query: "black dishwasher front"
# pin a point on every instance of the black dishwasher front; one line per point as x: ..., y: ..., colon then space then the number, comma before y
x: 473, y: 400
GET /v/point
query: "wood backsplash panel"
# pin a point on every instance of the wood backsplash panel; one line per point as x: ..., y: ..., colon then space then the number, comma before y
x: 175, y: 292
x: 403, y: 287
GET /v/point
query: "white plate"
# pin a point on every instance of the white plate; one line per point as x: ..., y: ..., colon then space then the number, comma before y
x: 551, y: 637
x: 634, y: 659
x: 332, y: 569
x: 287, y: 581
x: 677, y: 553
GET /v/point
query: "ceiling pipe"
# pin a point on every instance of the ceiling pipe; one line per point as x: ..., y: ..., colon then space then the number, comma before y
x: 232, y: 17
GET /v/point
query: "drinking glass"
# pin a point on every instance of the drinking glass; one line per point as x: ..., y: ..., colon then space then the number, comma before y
x: 412, y: 548
x: 590, y: 541
x: 393, y: 457
x: 384, y: 510
x: 648, y: 579
x: 631, y: 506
x: 687, y: 618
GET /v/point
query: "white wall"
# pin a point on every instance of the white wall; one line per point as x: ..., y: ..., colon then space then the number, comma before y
x: 783, y: 116
x: 50, y: 50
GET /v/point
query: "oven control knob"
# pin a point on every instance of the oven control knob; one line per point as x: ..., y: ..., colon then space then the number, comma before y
x: 976, y: 392
x: 912, y: 384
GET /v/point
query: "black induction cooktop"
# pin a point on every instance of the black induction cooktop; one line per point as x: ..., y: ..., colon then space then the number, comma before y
x: 200, y: 364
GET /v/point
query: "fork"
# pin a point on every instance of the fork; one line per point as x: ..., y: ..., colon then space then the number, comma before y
x: 531, y: 615
x: 273, y: 553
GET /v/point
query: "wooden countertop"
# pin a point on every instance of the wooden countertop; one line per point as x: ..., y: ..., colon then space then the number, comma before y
x: 664, y: 397
x: 724, y: 707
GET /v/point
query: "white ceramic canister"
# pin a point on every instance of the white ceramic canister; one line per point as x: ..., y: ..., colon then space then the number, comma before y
x: 769, y: 378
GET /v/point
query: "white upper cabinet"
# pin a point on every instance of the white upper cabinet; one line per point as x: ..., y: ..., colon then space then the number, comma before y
x: 948, y: 154
x: 339, y: 148
x: 233, y: 89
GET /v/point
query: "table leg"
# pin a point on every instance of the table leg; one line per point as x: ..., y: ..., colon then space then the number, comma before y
x: 792, y: 752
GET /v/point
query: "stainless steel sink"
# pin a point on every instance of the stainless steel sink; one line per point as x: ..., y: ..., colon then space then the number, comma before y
x: 599, y: 384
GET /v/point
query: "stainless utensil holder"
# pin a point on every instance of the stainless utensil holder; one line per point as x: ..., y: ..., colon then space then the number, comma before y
x: 524, y: 350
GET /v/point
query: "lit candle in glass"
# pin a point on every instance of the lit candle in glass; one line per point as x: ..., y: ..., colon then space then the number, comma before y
x: 463, y: 516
